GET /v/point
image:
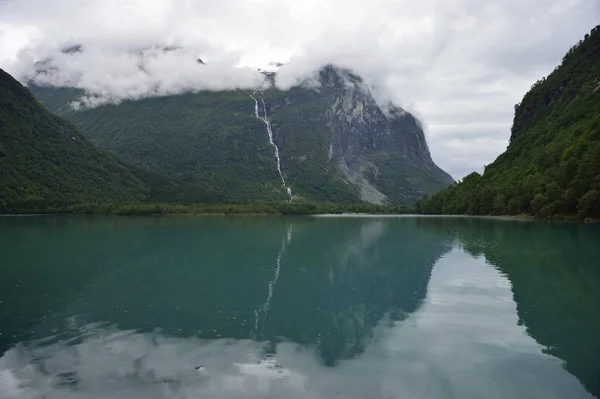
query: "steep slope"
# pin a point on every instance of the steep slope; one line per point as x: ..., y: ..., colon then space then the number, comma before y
x: 334, y: 143
x: 44, y: 158
x: 380, y: 153
x: 552, y: 165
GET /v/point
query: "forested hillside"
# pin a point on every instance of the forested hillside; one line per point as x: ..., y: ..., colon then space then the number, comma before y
x: 552, y: 164
x: 336, y: 144
x: 45, y: 159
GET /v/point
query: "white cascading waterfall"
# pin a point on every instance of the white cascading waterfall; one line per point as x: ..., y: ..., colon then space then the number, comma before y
x: 265, y: 119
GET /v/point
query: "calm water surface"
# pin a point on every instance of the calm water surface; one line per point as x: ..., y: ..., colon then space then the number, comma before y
x: 269, y: 307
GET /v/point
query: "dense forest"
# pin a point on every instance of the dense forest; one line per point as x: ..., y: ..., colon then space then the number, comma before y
x: 43, y: 156
x: 172, y: 208
x: 551, y: 167
x: 45, y: 160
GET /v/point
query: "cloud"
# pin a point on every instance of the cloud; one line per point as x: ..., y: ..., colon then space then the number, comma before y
x: 459, y: 65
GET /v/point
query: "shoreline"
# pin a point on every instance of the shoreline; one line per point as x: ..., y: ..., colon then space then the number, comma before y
x: 520, y: 218
x: 325, y: 215
x: 412, y: 215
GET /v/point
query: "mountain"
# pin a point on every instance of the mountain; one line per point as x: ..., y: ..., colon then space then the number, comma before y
x: 333, y: 143
x: 44, y: 158
x: 552, y: 164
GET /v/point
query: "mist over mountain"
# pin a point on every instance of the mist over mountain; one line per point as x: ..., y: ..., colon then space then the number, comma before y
x: 324, y: 140
x: 458, y: 66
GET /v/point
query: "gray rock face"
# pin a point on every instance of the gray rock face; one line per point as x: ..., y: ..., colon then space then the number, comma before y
x: 358, y: 127
x: 379, y: 152
x: 364, y: 134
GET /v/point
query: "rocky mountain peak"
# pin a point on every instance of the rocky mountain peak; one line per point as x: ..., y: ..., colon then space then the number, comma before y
x: 332, y: 143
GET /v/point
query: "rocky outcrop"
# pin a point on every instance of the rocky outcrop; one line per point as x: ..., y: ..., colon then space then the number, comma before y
x: 365, y: 135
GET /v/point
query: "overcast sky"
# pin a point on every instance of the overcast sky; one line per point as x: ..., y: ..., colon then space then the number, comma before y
x: 459, y: 65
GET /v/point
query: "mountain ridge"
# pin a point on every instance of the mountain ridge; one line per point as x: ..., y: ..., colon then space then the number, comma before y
x: 39, y: 152
x: 336, y: 143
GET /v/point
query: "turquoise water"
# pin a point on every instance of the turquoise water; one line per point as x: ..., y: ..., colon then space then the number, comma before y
x: 272, y: 307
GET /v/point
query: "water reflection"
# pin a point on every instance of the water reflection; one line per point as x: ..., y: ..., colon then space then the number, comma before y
x: 554, y: 271
x: 342, y: 277
x: 269, y: 307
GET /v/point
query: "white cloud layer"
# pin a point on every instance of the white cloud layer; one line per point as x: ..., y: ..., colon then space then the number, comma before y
x: 459, y: 65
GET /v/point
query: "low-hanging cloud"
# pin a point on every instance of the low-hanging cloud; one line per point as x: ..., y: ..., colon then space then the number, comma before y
x: 110, y: 76
x: 459, y: 65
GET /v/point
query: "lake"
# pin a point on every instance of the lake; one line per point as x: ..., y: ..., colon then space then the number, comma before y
x: 304, y: 307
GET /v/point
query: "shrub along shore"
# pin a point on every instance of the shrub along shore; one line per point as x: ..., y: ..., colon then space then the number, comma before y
x: 275, y: 208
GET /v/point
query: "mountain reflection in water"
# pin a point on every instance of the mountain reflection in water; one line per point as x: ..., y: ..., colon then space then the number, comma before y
x: 300, y: 307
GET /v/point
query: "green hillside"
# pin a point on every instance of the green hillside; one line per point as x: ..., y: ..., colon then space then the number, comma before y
x: 552, y: 165
x: 214, y: 141
x: 45, y: 159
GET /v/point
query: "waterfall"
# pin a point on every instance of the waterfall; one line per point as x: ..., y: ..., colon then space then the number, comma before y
x: 265, y: 119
